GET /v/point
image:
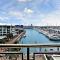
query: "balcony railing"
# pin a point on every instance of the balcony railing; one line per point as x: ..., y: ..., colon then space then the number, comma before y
x: 5, y: 46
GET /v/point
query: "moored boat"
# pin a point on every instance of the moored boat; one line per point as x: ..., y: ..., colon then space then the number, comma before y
x: 54, y: 38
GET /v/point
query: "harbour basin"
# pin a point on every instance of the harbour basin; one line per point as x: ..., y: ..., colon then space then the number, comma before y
x: 32, y: 36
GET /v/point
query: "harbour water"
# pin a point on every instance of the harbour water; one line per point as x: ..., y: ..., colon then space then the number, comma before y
x: 34, y: 37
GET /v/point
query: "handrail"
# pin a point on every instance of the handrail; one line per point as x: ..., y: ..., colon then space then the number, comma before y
x: 11, y: 53
x: 29, y: 45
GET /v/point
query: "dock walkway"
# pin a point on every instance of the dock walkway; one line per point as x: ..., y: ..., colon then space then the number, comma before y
x: 15, y: 39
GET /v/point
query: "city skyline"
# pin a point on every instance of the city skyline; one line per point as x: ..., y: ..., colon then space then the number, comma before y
x: 26, y: 12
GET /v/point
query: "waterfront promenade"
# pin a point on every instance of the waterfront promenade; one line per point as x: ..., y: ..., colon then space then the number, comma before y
x: 15, y: 39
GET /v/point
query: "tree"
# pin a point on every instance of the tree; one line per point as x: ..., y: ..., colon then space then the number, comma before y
x: 9, y: 36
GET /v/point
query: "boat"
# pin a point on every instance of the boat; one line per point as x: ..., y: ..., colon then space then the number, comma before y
x: 54, y: 38
x: 24, y: 36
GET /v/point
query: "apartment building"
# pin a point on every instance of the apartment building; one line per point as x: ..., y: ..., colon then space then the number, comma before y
x: 6, y: 29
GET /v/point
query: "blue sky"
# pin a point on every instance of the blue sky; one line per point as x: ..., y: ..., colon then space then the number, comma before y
x: 26, y: 12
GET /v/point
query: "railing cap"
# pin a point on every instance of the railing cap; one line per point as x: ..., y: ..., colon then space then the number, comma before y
x: 30, y: 45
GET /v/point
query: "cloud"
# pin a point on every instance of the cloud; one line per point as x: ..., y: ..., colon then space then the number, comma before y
x: 45, y: 1
x: 52, y: 19
x: 16, y: 14
x: 28, y: 11
x: 37, y: 12
x: 24, y: 0
x: 2, y: 18
x: 57, y: 4
x: 5, y: 24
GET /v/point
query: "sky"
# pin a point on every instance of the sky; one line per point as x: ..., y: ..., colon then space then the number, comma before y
x: 27, y: 12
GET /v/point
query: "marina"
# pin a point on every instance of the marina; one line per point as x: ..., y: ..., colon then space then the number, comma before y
x: 52, y: 34
x: 29, y: 29
x: 33, y: 36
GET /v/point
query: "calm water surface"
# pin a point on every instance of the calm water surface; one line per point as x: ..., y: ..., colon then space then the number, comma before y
x: 34, y: 37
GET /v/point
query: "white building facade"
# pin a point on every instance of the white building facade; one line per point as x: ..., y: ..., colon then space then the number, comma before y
x: 6, y: 29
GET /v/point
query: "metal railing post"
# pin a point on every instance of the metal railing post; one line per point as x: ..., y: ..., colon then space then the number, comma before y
x: 27, y: 53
